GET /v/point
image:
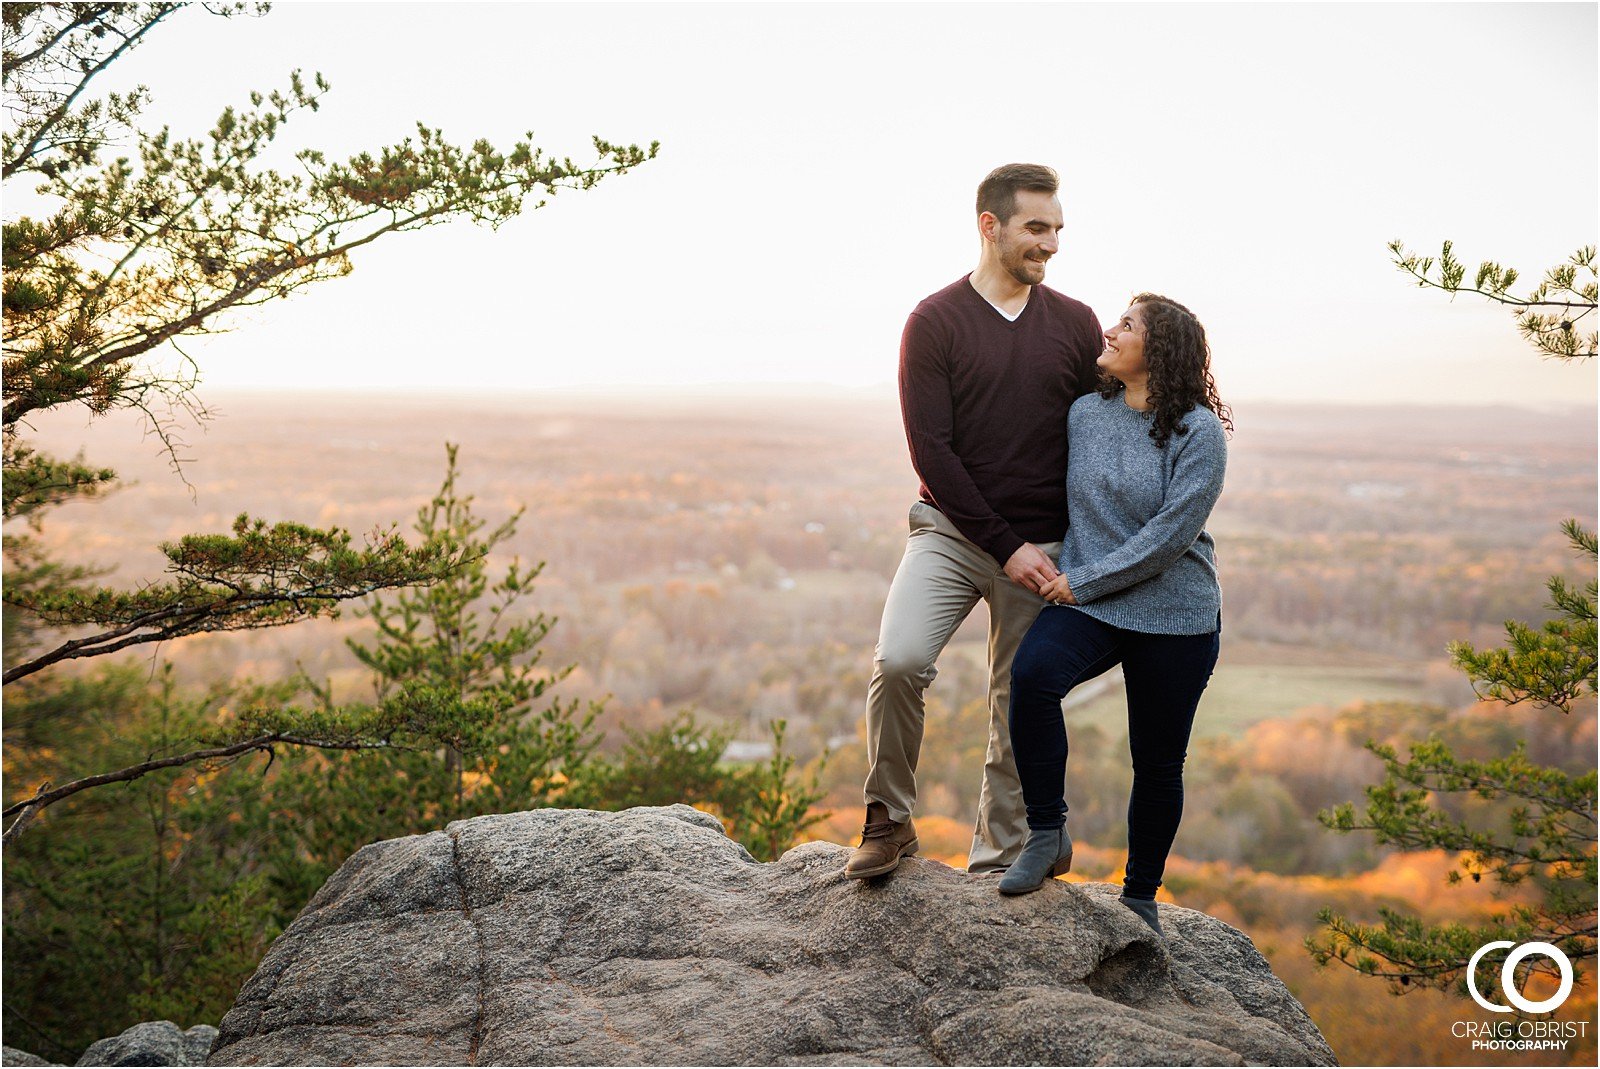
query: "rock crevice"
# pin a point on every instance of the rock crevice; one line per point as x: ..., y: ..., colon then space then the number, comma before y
x: 483, y: 953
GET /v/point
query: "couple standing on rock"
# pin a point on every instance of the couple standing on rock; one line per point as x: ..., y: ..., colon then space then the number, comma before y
x: 1084, y: 565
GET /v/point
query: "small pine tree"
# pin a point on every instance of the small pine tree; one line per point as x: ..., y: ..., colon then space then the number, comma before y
x: 441, y: 637
x: 776, y: 807
x: 461, y: 647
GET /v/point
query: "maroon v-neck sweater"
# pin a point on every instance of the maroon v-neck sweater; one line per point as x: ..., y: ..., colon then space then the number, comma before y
x: 985, y: 404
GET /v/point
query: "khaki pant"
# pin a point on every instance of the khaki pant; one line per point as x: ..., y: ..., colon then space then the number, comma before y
x: 941, y: 577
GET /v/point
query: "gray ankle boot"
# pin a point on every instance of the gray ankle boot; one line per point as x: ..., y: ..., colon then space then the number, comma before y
x: 1045, y: 854
x: 1146, y: 909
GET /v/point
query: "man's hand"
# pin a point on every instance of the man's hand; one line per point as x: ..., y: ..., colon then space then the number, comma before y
x: 1057, y: 592
x: 1029, y: 567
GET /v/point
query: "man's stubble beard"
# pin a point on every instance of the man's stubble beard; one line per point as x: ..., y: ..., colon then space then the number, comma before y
x: 1021, y: 274
x: 1017, y: 267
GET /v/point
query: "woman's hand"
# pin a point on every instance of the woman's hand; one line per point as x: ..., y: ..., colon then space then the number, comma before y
x: 1057, y: 592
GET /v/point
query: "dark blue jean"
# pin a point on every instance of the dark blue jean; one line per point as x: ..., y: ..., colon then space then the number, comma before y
x: 1165, y: 676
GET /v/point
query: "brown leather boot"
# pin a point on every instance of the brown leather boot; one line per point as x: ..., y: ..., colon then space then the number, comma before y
x: 883, y: 844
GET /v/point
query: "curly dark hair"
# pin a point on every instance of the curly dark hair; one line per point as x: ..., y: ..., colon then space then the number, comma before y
x: 1179, y: 359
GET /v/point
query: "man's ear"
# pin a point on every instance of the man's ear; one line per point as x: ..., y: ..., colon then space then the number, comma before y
x: 988, y: 225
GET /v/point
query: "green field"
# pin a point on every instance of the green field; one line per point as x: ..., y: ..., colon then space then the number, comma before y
x: 1241, y: 695
x: 1255, y: 683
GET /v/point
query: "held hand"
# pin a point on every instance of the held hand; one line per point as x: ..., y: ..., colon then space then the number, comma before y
x: 1029, y: 567
x: 1057, y: 592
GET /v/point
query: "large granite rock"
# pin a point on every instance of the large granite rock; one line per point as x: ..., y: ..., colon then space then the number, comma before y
x: 648, y: 937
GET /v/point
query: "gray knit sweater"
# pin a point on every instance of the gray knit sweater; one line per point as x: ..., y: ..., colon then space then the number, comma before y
x: 1136, y: 552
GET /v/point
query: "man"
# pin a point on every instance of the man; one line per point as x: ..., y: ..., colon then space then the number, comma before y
x: 988, y: 368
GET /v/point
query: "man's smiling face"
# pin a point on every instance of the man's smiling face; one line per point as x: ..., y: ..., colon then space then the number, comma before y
x: 1030, y: 237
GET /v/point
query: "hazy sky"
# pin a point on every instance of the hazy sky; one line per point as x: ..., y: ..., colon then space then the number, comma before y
x: 818, y: 164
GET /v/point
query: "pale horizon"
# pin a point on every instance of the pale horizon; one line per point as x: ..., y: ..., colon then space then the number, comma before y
x: 878, y: 392
x: 817, y: 171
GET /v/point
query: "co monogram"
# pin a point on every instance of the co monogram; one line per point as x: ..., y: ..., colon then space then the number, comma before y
x: 1508, y: 981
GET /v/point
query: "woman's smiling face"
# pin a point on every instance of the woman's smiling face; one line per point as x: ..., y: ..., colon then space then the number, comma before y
x: 1123, y: 355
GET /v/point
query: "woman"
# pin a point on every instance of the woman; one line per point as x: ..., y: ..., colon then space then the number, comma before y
x: 1138, y: 586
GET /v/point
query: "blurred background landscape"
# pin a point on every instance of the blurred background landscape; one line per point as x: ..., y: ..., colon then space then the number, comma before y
x: 730, y: 554
x: 684, y: 374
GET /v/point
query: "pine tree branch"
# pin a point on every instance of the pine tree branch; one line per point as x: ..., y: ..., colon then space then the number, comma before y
x: 1550, y: 334
x: 29, y: 808
x: 235, y: 612
x: 29, y: 812
x: 1481, y: 778
x: 276, y: 274
x: 259, y: 578
x: 86, y: 16
x: 17, y: 161
x: 1434, y: 768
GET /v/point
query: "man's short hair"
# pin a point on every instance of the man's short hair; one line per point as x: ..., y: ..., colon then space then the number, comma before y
x: 997, y: 194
